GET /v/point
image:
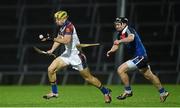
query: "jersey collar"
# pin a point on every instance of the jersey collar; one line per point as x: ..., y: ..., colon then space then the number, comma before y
x: 65, y: 23
x: 124, y: 30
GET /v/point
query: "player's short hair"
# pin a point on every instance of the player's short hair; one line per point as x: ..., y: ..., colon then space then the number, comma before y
x: 60, y: 15
x: 121, y: 20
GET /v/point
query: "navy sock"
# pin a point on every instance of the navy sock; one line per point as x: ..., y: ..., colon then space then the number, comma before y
x: 104, y: 90
x: 127, y: 88
x: 54, y: 88
x: 161, y: 90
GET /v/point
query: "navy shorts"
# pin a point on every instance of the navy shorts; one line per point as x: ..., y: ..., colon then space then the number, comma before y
x: 138, y: 62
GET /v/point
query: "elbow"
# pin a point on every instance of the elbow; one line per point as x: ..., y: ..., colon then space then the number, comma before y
x: 66, y: 41
x: 115, y: 47
x: 131, y: 38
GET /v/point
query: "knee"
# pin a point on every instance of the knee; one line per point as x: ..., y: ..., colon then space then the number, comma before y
x: 87, y: 78
x: 51, y: 70
x: 121, y: 70
x: 148, y: 75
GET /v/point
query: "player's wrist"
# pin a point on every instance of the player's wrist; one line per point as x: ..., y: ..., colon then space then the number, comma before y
x: 116, y: 42
x: 112, y: 50
x: 51, y: 50
x: 57, y: 40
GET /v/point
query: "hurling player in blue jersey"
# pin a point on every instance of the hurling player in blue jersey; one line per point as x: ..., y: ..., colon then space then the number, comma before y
x: 129, y: 37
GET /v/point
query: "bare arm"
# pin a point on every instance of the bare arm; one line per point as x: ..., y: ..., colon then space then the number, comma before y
x: 113, y: 49
x: 58, y: 40
x: 63, y: 39
x: 55, y: 45
x: 128, y: 39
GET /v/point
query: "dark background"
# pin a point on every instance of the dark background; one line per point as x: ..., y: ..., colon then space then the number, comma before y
x: 21, y: 21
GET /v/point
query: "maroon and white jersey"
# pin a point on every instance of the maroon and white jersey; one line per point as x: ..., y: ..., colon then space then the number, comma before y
x: 69, y: 29
x: 71, y: 55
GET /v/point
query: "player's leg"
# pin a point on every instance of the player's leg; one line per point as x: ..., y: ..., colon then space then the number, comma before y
x: 85, y: 73
x: 151, y: 77
x: 156, y: 82
x: 56, y: 65
x: 122, y: 72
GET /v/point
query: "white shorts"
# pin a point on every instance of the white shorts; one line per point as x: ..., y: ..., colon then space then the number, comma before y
x: 138, y: 62
x: 77, y: 61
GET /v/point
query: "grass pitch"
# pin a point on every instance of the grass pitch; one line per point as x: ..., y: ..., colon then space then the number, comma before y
x: 86, y: 96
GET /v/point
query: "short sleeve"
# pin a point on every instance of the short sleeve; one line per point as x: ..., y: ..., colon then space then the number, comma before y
x: 68, y: 30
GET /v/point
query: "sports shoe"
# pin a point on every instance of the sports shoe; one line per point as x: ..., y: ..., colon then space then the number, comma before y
x: 164, y: 96
x: 50, y: 95
x: 107, y: 97
x: 124, y: 95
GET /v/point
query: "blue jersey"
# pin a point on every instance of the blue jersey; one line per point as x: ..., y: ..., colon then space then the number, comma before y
x: 135, y: 48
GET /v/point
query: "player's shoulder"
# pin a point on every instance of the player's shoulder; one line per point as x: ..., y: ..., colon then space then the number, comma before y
x: 69, y: 24
x: 69, y: 27
x: 131, y: 30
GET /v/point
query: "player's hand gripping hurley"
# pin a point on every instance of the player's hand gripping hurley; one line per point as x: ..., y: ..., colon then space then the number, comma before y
x: 79, y: 46
x: 48, y: 37
x: 44, y: 52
